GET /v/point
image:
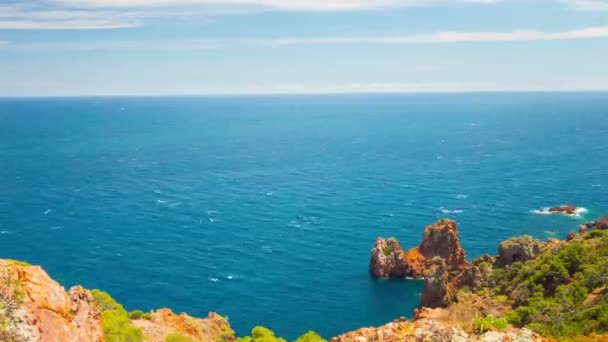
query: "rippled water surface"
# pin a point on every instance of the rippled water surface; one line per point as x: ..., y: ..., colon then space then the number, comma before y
x: 265, y: 208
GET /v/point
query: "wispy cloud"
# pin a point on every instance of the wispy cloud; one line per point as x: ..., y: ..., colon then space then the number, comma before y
x: 292, y: 5
x: 447, y: 37
x: 452, y: 37
x: 36, y: 17
x: 112, y: 14
x: 588, y: 5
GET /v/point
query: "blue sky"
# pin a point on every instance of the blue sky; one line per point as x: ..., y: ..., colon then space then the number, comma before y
x: 141, y: 47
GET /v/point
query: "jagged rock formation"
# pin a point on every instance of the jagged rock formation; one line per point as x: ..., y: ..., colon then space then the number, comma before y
x: 519, y: 249
x: 37, y: 308
x: 388, y: 260
x: 164, y: 322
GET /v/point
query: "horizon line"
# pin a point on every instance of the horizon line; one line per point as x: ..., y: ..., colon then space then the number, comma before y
x: 252, y: 94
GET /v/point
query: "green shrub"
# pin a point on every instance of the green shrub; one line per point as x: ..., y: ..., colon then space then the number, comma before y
x: 117, y: 326
x: 550, y: 292
x: 261, y: 334
x: 490, y: 323
x: 136, y: 314
x: 310, y: 336
x: 147, y: 316
x: 178, y: 338
x: 387, y: 250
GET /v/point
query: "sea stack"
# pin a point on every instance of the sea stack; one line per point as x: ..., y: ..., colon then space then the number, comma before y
x: 388, y: 260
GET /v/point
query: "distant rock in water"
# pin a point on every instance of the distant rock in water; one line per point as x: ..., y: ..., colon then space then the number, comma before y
x: 567, y: 209
x: 388, y: 260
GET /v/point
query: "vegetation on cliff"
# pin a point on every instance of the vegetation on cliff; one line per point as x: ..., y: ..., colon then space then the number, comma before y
x: 117, y: 326
x: 263, y: 334
x: 562, y: 292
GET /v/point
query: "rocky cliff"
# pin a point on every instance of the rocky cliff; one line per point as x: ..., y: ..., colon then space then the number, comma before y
x: 34, y: 307
x: 558, y: 288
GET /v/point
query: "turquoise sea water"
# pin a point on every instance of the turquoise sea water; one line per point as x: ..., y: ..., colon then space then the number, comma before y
x: 265, y: 208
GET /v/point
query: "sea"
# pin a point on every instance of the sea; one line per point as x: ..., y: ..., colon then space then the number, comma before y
x: 265, y: 208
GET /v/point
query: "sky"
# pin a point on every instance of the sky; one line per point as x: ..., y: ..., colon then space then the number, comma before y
x: 150, y: 47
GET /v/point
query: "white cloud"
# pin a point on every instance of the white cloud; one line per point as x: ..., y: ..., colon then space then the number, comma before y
x: 295, y: 5
x: 27, y: 17
x: 588, y: 5
x: 452, y: 37
x: 111, y: 14
x: 447, y: 37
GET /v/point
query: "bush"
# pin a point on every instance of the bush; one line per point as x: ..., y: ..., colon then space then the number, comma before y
x: 147, y: 316
x: 136, y: 314
x: 490, y: 323
x: 178, y: 338
x: 117, y: 326
x: 551, y: 292
x: 310, y: 336
x: 261, y: 334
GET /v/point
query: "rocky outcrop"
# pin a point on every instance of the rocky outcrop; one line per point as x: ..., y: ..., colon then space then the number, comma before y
x: 424, y: 329
x: 164, y: 322
x: 601, y: 223
x: 519, y: 249
x: 388, y: 260
x: 37, y: 308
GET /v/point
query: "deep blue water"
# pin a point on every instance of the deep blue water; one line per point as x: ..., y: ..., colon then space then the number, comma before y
x: 265, y: 208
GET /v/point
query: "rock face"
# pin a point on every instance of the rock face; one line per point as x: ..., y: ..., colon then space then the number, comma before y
x: 164, y: 322
x: 436, y: 284
x: 441, y: 240
x: 519, y: 249
x: 37, y: 308
x: 388, y: 260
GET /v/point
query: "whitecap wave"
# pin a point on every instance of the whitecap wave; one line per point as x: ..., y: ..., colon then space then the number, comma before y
x: 448, y: 211
x: 4, y: 232
x: 461, y: 196
x: 213, y: 280
x: 48, y: 211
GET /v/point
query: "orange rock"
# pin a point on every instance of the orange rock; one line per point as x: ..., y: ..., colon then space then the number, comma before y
x: 44, y: 311
x: 439, y: 240
x: 164, y: 322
